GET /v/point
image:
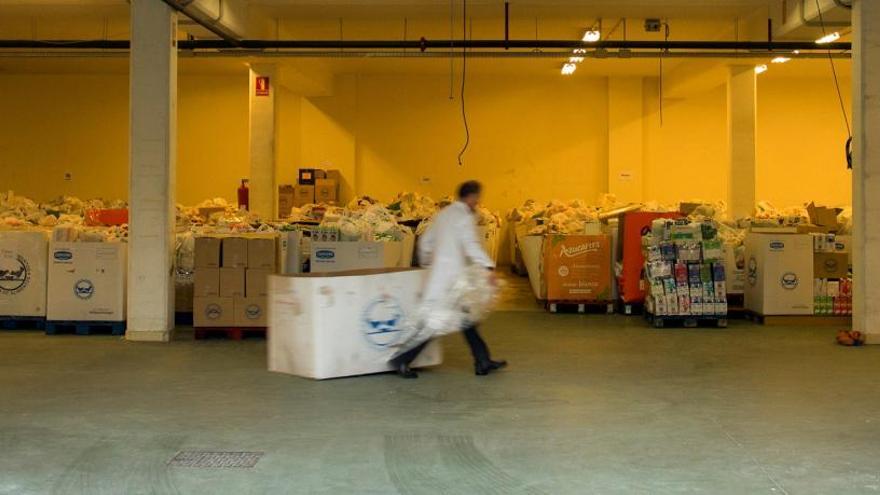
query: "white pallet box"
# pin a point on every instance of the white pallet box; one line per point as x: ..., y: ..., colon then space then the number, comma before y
x: 341, y: 324
x: 23, y: 273
x: 87, y: 281
x: 779, y: 274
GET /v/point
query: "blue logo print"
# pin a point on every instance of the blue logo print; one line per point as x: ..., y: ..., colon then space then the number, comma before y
x: 777, y: 245
x: 63, y: 255
x: 325, y: 254
x: 789, y: 281
x: 382, y: 320
x: 84, y: 289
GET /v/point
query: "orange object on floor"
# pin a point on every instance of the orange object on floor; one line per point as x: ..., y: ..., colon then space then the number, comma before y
x: 851, y: 338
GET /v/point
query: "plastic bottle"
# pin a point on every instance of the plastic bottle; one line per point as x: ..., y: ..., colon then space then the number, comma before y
x: 244, y: 195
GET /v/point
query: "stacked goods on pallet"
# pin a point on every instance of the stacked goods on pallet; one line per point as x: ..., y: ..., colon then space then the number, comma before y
x: 23, y: 273
x: 684, y: 270
x: 630, y: 258
x: 230, y: 280
x: 86, y: 276
x: 832, y: 287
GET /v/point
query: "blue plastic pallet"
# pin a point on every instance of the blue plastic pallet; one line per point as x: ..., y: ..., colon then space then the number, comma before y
x: 85, y: 327
x: 22, y: 322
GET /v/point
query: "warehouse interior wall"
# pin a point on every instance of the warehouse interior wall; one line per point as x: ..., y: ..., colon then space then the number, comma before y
x: 532, y: 136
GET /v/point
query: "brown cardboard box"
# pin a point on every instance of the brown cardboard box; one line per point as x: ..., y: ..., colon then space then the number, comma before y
x: 213, y: 312
x: 206, y: 282
x: 207, y: 252
x: 808, y: 228
x: 303, y: 195
x: 250, y: 311
x: 830, y: 265
x: 326, y: 190
x: 306, y: 177
x: 256, y: 282
x: 333, y: 175
x: 320, y: 174
x: 578, y: 267
x: 285, y: 200
x: 235, y: 254
x: 261, y: 253
x: 232, y: 282
x: 824, y: 217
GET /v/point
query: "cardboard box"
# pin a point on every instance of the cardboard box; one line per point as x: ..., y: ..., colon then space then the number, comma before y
x: 23, y: 273
x: 735, y: 268
x: 207, y: 252
x: 261, y: 253
x: 235, y: 252
x: 824, y: 217
x: 326, y: 190
x: 286, y: 200
x: 86, y: 281
x: 362, y: 255
x: 232, y: 282
x: 577, y: 267
x: 293, y: 250
x: 830, y: 265
x: 206, y: 282
x: 779, y: 274
x: 213, y: 312
x: 256, y: 282
x: 333, y: 175
x: 303, y: 195
x: 343, y: 324
x: 250, y: 311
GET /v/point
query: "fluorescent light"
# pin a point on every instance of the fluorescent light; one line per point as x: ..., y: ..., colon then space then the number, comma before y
x: 828, y: 38
x: 592, y: 36
x: 760, y: 69
x: 796, y: 52
x: 568, y: 69
x: 575, y: 60
x: 780, y: 60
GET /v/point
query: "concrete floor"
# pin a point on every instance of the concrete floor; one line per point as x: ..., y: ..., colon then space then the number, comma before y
x: 591, y: 404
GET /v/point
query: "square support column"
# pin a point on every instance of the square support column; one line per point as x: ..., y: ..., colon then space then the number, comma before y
x: 625, y: 157
x: 153, y: 152
x: 261, y: 138
x: 866, y: 168
x: 741, y: 126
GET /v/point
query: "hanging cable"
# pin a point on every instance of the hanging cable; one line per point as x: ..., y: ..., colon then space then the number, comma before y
x: 836, y: 81
x: 660, y: 79
x: 451, y: 48
x: 467, y: 131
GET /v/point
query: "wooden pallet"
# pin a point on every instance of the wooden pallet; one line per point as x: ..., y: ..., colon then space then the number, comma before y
x: 22, y: 322
x: 799, y: 320
x: 54, y: 327
x: 632, y: 308
x: 694, y: 321
x: 232, y: 333
x: 579, y: 307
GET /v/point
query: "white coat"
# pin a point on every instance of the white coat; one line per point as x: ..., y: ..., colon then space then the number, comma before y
x: 448, y: 246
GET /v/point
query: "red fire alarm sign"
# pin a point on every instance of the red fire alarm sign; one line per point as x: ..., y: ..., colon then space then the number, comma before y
x: 261, y: 85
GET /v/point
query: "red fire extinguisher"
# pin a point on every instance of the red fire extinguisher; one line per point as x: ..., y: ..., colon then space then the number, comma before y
x: 244, y: 195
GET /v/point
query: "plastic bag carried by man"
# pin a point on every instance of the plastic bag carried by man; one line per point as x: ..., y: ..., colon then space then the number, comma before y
x: 459, y: 287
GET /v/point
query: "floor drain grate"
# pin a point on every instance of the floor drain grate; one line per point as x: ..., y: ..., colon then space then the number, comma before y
x: 202, y: 459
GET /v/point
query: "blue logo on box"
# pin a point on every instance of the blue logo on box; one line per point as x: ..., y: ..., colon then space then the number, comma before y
x: 63, y: 255
x: 382, y: 321
x: 789, y: 281
x: 777, y: 245
x: 253, y: 311
x: 84, y: 289
x: 325, y: 254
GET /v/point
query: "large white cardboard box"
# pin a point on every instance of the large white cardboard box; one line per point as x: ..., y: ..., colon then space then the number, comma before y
x: 779, y: 274
x: 532, y: 248
x: 23, y: 273
x: 341, y: 324
x: 327, y: 257
x: 86, y: 281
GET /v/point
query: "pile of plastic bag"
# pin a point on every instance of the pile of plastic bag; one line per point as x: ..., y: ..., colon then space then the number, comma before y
x: 767, y: 214
x: 371, y: 223
x: 412, y: 206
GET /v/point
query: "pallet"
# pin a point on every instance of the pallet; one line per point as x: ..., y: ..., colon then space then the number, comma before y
x: 54, y: 327
x: 232, y: 333
x: 799, y: 320
x: 686, y: 321
x: 632, y: 308
x: 183, y: 318
x: 579, y: 307
x: 22, y: 322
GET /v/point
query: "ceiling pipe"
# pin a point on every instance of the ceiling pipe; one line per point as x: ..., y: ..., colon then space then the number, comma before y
x: 424, y: 45
x: 183, y: 6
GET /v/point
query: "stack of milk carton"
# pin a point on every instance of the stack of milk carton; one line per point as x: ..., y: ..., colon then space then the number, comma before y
x: 230, y: 280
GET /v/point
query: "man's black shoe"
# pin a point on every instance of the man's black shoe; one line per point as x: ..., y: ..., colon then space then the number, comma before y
x: 404, y: 371
x: 485, y: 368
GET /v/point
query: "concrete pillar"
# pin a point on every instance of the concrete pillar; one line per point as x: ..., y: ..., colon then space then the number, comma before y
x: 153, y: 151
x: 866, y: 168
x: 625, y: 157
x: 741, y: 124
x: 261, y: 137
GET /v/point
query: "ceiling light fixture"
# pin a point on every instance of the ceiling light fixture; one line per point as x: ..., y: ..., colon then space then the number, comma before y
x: 760, y: 69
x: 592, y: 36
x: 578, y: 56
x: 828, y: 38
x: 568, y: 69
x: 780, y: 60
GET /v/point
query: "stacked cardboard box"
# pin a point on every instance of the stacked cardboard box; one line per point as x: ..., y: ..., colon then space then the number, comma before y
x: 832, y: 286
x: 684, y: 268
x: 312, y: 186
x: 230, y: 280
